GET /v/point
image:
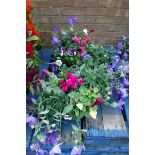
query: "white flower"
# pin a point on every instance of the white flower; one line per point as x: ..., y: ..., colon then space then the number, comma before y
x: 59, y: 63
x: 80, y: 106
x: 85, y: 31
x: 93, y: 113
x: 74, y: 53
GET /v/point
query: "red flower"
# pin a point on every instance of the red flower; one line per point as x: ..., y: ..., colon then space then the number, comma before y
x: 29, y: 49
x: 30, y: 75
x: 91, y: 31
x: 83, y: 42
x: 28, y: 8
x: 98, y: 102
x: 82, y: 49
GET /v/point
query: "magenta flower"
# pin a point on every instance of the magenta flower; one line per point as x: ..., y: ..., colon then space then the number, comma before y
x: 83, y: 42
x: 80, y: 81
x: 87, y: 38
x: 68, y: 83
x: 64, y: 89
x: 69, y: 75
x: 82, y: 49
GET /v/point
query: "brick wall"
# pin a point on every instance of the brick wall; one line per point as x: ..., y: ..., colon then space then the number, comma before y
x: 110, y: 18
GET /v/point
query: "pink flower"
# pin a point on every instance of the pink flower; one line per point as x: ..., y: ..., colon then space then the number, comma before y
x: 87, y: 38
x: 74, y: 79
x: 69, y: 75
x: 74, y: 38
x: 73, y: 86
x: 83, y: 42
x: 68, y: 83
x: 82, y: 49
x: 80, y: 81
x: 77, y: 40
x: 62, y: 82
x: 64, y: 89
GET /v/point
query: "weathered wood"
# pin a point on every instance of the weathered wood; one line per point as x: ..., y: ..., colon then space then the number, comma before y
x: 109, y: 123
x: 126, y: 109
x: 28, y: 137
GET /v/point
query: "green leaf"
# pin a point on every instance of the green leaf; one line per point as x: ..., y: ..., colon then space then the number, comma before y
x: 82, y: 67
x: 75, y: 128
x: 31, y: 90
x: 43, y: 83
x: 46, y: 121
x: 67, y: 109
x: 33, y: 100
x: 44, y: 112
x: 41, y: 137
x: 77, y: 112
x: 33, y: 38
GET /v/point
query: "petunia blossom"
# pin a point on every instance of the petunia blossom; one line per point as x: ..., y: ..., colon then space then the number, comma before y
x: 76, y: 151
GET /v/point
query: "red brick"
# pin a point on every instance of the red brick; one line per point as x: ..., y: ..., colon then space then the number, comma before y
x: 72, y: 12
x: 111, y: 3
x: 42, y: 19
x: 106, y: 11
x: 126, y: 4
x: 46, y: 12
x: 42, y: 4
x: 73, y: 3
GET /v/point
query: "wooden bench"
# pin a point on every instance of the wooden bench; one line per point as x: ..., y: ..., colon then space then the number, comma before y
x: 107, y: 135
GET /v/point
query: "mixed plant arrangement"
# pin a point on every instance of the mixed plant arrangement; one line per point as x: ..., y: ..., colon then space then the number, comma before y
x: 82, y: 76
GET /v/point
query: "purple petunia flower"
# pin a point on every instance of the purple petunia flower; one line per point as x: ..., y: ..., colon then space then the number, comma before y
x: 86, y: 56
x: 126, y: 68
x: 32, y: 121
x: 41, y: 152
x: 120, y: 45
x: 120, y: 103
x: 54, y: 67
x: 55, y: 29
x: 123, y: 93
x: 72, y: 20
x: 116, y: 59
x: 124, y: 81
x: 63, y: 49
x: 72, y: 51
x: 125, y: 55
x: 56, y: 149
x: 52, y: 137
x: 55, y: 40
x: 76, y: 151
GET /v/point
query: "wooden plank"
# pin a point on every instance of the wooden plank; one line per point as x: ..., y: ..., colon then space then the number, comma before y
x: 28, y: 137
x: 109, y: 123
x: 45, y: 55
x: 126, y: 109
